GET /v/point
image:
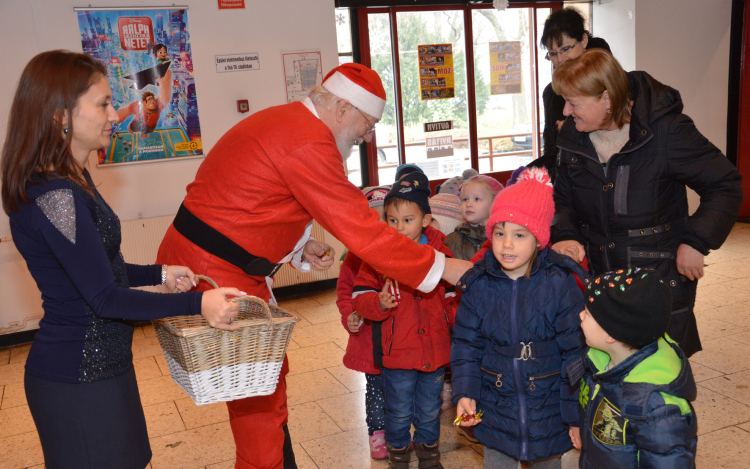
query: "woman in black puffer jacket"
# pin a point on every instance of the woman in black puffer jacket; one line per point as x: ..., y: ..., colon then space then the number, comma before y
x: 626, y: 155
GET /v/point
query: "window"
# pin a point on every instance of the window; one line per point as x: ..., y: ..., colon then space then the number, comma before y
x: 352, y: 164
x: 344, y: 35
x: 504, y: 85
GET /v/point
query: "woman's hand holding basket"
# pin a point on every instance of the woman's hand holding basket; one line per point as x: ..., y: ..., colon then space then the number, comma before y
x: 218, y: 311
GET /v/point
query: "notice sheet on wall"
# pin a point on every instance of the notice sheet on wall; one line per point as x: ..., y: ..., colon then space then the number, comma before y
x: 436, y: 79
x: 505, y: 67
x: 302, y: 71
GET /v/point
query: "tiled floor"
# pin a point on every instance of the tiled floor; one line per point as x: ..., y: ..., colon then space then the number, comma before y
x: 326, y: 401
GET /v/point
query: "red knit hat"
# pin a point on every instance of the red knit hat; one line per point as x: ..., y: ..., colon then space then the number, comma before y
x: 528, y: 203
x: 359, y: 85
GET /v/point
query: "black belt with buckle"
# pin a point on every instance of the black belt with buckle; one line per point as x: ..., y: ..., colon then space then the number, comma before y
x: 212, y: 241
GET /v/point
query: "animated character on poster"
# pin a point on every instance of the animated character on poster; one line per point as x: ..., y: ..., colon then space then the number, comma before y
x: 160, y: 52
x: 151, y: 76
x: 147, y: 111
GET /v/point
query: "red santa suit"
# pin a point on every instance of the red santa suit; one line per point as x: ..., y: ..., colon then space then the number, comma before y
x: 261, y: 185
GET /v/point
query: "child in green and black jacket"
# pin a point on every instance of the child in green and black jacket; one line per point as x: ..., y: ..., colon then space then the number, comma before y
x: 637, y: 384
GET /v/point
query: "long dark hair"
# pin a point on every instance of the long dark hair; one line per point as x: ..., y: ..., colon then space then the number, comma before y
x: 50, y: 87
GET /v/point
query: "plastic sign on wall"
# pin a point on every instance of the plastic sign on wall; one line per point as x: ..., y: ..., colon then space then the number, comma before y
x: 505, y: 67
x: 436, y: 79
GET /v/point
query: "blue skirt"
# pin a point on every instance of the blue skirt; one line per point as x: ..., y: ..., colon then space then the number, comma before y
x: 97, y: 425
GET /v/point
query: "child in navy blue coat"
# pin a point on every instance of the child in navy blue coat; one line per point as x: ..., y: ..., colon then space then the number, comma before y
x: 516, y: 329
x: 637, y: 384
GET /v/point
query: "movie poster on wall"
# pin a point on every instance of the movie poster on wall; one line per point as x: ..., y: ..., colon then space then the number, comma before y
x: 148, y: 57
x: 505, y: 67
x: 436, y: 80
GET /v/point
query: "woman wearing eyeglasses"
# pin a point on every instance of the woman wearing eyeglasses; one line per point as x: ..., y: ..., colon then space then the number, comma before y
x: 564, y: 37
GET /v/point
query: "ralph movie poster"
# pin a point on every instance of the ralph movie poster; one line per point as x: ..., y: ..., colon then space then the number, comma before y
x: 148, y: 55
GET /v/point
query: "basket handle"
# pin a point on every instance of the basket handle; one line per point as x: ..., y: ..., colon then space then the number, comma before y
x: 251, y: 298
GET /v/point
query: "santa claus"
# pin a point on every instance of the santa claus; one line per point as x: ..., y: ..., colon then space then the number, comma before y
x: 251, y: 208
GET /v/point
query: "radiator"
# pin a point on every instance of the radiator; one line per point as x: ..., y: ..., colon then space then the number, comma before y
x: 141, y: 239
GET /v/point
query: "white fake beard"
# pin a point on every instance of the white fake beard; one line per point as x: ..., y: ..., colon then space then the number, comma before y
x: 346, y: 140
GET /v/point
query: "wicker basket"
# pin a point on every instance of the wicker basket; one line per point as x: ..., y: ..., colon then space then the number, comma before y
x: 212, y: 365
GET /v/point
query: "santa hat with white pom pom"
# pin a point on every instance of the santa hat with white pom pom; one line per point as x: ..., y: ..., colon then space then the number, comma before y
x: 528, y: 203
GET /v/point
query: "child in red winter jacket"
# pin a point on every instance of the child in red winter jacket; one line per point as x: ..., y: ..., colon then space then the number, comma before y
x: 358, y: 355
x: 410, y: 333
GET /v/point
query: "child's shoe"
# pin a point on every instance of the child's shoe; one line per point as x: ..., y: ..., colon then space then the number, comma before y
x: 377, y: 445
x: 467, y: 432
x: 429, y: 456
x: 398, y: 458
x: 446, y: 394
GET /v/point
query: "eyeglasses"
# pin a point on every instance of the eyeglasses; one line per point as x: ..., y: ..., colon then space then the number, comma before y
x: 372, y: 126
x: 563, y: 51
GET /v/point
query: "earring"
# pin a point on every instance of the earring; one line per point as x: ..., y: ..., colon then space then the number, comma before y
x: 607, y: 111
x: 65, y: 130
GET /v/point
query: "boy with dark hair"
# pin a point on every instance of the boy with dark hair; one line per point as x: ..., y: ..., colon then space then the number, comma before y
x: 410, y: 331
x: 637, y: 384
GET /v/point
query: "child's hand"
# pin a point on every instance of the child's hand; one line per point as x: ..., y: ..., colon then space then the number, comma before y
x: 387, y: 299
x: 467, y: 406
x: 353, y: 323
x: 575, y: 437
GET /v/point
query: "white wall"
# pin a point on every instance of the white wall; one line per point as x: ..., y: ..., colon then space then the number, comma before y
x: 687, y: 47
x: 615, y: 23
x: 682, y: 43
x: 28, y: 27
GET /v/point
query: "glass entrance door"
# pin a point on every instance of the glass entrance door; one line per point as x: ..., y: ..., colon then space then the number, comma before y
x: 462, y: 86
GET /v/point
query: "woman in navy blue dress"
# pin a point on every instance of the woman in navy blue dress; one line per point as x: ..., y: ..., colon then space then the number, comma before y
x: 79, y: 380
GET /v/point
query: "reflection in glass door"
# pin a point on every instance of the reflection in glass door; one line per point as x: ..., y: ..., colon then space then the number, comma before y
x: 462, y: 88
x: 434, y: 95
x: 504, y: 84
x: 386, y: 131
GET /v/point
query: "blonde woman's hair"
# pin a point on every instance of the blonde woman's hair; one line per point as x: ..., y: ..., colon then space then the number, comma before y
x: 591, y: 74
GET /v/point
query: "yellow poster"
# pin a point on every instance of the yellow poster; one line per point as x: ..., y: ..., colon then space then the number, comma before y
x: 505, y: 67
x: 436, y: 80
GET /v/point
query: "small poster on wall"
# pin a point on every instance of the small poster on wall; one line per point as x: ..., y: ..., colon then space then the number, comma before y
x: 505, y: 67
x: 436, y: 79
x: 303, y: 71
x: 148, y: 57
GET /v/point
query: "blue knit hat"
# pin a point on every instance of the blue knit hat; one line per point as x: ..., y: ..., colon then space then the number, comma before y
x: 414, y: 187
x: 407, y: 168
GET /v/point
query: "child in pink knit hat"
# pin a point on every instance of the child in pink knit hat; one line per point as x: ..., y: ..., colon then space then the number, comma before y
x: 517, y: 329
